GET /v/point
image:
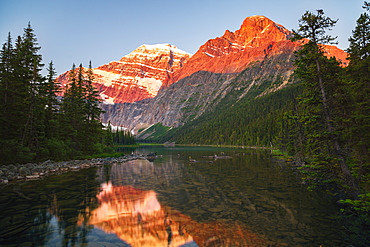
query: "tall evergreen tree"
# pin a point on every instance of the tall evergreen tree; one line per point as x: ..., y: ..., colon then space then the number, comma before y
x: 30, y: 66
x: 22, y: 110
x: 72, y: 117
x: 15, y: 94
x: 358, y: 77
x: 50, y: 91
x: 320, y: 76
x: 93, y: 111
x: 9, y: 118
x: 6, y: 78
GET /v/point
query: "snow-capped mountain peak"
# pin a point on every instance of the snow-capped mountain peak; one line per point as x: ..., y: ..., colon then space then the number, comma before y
x: 139, y: 74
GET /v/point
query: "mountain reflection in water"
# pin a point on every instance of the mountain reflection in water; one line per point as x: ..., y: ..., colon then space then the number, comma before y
x: 246, y: 200
x: 137, y: 217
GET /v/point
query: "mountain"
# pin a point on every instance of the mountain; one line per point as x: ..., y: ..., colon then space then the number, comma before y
x: 255, y: 60
x: 231, y: 53
x: 138, y: 75
x: 257, y: 38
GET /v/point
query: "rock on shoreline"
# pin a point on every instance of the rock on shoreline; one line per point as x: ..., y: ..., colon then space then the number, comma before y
x: 31, y: 171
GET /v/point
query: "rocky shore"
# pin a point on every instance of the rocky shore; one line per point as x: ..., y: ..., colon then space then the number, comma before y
x: 32, y: 171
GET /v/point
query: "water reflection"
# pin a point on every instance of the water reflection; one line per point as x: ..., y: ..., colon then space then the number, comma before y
x: 243, y: 201
x: 246, y: 194
x: 45, y: 212
x: 136, y: 217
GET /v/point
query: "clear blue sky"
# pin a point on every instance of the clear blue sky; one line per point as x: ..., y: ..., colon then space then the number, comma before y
x: 76, y: 31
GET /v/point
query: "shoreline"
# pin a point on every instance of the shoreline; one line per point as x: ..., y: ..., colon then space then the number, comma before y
x: 33, y: 171
x: 14, y: 173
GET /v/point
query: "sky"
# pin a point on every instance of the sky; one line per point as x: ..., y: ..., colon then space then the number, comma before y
x: 77, y: 31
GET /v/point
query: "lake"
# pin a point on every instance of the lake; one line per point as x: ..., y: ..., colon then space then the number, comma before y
x: 187, y: 196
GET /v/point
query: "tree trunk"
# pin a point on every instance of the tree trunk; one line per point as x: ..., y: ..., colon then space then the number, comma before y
x: 348, y: 178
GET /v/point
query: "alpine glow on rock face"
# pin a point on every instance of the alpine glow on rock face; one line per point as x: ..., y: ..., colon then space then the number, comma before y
x: 259, y: 42
x: 138, y: 75
x: 257, y: 38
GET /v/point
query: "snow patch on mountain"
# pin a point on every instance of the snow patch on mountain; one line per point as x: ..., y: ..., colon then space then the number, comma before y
x: 106, y: 99
x: 170, y: 47
x: 155, y: 50
x: 106, y: 78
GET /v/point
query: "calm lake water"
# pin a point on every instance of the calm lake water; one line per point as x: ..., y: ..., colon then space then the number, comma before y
x: 186, y: 197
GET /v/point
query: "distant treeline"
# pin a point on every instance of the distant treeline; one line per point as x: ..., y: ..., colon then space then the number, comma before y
x: 119, y: 136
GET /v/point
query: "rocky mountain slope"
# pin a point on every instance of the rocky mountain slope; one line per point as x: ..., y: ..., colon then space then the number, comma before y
x: 259, y: 53
x: 138, y: 75
x: 257, y: 38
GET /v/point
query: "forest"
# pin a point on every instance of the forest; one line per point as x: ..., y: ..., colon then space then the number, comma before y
x: 39, y: 118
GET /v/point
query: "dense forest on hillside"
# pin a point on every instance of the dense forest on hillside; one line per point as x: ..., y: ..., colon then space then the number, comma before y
x: 252, y: 121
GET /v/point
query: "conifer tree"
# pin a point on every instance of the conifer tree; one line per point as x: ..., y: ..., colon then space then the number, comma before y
x: 72, y: 117
x: 30, y: 76
x: 93, y: 111
x: 8, y: 118
x: 358, y: 77
x: 108, y: 139
x: 15, y: 93
x: 320, y: 76
x: 51, y: 90
x: 22, y: 110
x: 6, y: 78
